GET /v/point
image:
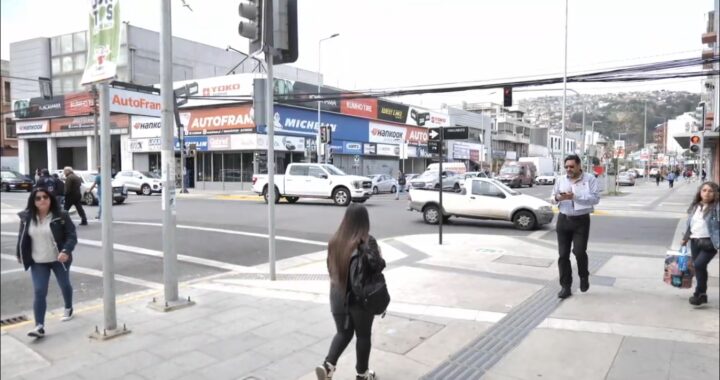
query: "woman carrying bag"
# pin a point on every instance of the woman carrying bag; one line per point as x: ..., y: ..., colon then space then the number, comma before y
x: 45, y: 243
x: 351, y: 242
x: 703, y: 233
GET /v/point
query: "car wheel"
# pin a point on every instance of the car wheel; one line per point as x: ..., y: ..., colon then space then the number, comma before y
x: 292, y: 199
x: 393, y: 189
x: 456, y: 188
x: 437, y: 186
x: 145, y: 189
x: 431, y: 214
x: 265, y: 195
x: 524, y: 220
x: 375, y: 190
x: 89, y: 199
x: 120, y: 201
x: 341, y: 196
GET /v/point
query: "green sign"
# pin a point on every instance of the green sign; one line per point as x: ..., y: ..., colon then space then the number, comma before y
x: 104, y: 41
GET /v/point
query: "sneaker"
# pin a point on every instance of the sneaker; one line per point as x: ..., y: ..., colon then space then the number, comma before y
x: 368, y: 375
x: 37, y: 332
x: 67, y: 315
x: 84, y: 222
x: 325, y: 371
x: 584, y: 284
x: 564, y: 293
x: 698, y: 299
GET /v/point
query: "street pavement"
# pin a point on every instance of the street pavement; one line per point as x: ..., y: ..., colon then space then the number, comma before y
x: 482, y: 305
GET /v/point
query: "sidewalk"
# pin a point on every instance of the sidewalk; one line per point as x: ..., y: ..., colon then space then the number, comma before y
x: 477, y: 306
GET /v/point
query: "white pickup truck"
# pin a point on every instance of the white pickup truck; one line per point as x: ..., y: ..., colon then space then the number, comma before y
x: 315, y: 181
x: 483, y: 198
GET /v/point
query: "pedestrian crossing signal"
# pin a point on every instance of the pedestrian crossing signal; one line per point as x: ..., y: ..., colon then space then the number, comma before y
x: 695, y: 142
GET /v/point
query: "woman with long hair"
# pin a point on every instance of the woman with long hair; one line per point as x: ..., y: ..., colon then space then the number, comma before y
x: 352, y: 241
x: 45, y: 243
x: 703, y: 233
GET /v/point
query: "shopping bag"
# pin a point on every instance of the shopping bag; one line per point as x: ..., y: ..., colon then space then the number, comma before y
x: 679, y: 269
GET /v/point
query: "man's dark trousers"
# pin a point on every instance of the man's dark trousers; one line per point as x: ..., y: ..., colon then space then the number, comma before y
x: 572, y: 232
x: 77, y: 202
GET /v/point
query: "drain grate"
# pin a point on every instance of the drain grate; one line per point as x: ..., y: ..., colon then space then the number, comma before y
x: 284, y: 276
x: 13, y: 320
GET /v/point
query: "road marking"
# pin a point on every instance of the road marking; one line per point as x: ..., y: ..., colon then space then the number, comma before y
x: 230, y: 232
x: 97, y: 273
x: 159, y: 254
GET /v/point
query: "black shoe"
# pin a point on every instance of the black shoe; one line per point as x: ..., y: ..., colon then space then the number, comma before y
x: 584, y: 284
x: 698, y: 299
x: 84, y: 223
x: 564, y: 293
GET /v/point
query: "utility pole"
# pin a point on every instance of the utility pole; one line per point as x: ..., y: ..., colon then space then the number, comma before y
x: 562, y: 138
x: 645, y: 166
x: 170, y: 277
x: 269, y: 109
x: 96, y: 139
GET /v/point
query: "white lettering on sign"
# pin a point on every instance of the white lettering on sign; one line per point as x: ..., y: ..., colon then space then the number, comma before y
x: 359, y: 106
x: 52, y: 106
x: 222, y: 121
x: 418, y: 136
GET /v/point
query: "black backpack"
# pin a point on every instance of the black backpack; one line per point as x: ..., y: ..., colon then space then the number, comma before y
x: 368, y: 289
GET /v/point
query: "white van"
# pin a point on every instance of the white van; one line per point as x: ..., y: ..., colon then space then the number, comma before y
x: 457, y: 167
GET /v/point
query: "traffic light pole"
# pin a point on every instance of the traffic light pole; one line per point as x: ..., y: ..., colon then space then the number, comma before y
x: 269, y: 109
x: 440, y: 179
x: 702, y: 139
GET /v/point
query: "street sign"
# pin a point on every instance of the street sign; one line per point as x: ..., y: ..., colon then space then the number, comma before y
x: 450, y: 133
x: 433, y: 147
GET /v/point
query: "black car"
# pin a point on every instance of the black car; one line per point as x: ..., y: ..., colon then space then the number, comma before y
x: 12, y: 180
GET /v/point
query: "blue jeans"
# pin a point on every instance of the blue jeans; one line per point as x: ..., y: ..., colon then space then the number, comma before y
x: 41, y: 281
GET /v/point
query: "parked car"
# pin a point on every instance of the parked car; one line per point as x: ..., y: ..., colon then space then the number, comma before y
x: 483, y: 198
x: 12, y: 180
x: 625, y: 178
x: 429, y: 180
x: 383, y: 183
x: 546, y: 178
x: 315, y: 181
x: 142, y: 183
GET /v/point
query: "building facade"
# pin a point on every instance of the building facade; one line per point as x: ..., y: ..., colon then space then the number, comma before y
x: 8, y: 137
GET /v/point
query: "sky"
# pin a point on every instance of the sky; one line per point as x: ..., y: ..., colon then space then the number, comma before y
x: 399, y: 43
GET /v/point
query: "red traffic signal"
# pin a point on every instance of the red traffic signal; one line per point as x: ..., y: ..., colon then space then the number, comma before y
x: 695, y: 139
x: 507, y: 96
x: 695, y: 142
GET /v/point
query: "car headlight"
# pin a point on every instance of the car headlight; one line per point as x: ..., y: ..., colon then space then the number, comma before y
x: 357, y: 184
x: 546, y: 208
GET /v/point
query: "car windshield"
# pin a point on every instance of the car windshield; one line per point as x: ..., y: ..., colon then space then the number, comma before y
x: 9, y: 175
x: 505, y: 188
x: 510, y: 170
x: 150, y: 175
x: 333, y: 170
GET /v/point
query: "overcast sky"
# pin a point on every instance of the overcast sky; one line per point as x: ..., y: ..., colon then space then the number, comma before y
x: 391, y: 43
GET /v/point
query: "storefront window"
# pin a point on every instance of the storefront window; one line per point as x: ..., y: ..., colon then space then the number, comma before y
x: 217, y: 167
x: 232, y: 168
x: 67, y: 64
x: 79, y: 61
x: 66, y: 44
x: 55, y: 65
x: 154, y: 163
x: 205, y: 167
x: 79, y: 41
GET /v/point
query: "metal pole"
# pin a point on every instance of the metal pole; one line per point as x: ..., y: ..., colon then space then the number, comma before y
x: 270, y: 162
x: 181, y: 137
x: 168, y: 155
x: 562, y: 138
x: 96, y: 141
x: 583, y: 129
x: 106, y: 204
x: 440, y: 171
x: 645, y: 166
x: 317, y: 139
x: 702, y: 139
x: 716, y: 103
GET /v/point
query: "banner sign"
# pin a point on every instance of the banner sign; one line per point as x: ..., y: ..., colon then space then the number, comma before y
x: 32, y: 126
x: 104, y: 41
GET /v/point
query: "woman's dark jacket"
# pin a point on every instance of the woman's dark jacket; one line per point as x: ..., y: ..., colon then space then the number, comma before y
x: 63, y: 231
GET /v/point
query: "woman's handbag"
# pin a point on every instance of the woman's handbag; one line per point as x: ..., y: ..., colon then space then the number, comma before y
x: 679, y: 269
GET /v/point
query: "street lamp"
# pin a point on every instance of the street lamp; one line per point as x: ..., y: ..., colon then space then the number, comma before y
x: 317, y: 138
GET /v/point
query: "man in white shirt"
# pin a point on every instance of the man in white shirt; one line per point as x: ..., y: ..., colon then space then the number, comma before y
x: 575, y: 195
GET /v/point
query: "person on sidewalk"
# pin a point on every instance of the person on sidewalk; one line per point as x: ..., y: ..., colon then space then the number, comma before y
x: 575, y: 194
x: 352, y: 235
x: 73, y: 195
x: 98, y: 182
x: 46, y: 181
x: 45, y: 243
x: 401, y: 184
x: 671, y: 179
x: 703, y: 233
x: 59, y: 190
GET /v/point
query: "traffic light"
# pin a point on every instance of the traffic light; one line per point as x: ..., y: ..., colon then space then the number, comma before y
x: 695, y: 143
x: 507, y: 96
x: 252, y: 25
x: 328, y: 134
x: 323, y: 135
x: 285, y: 31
